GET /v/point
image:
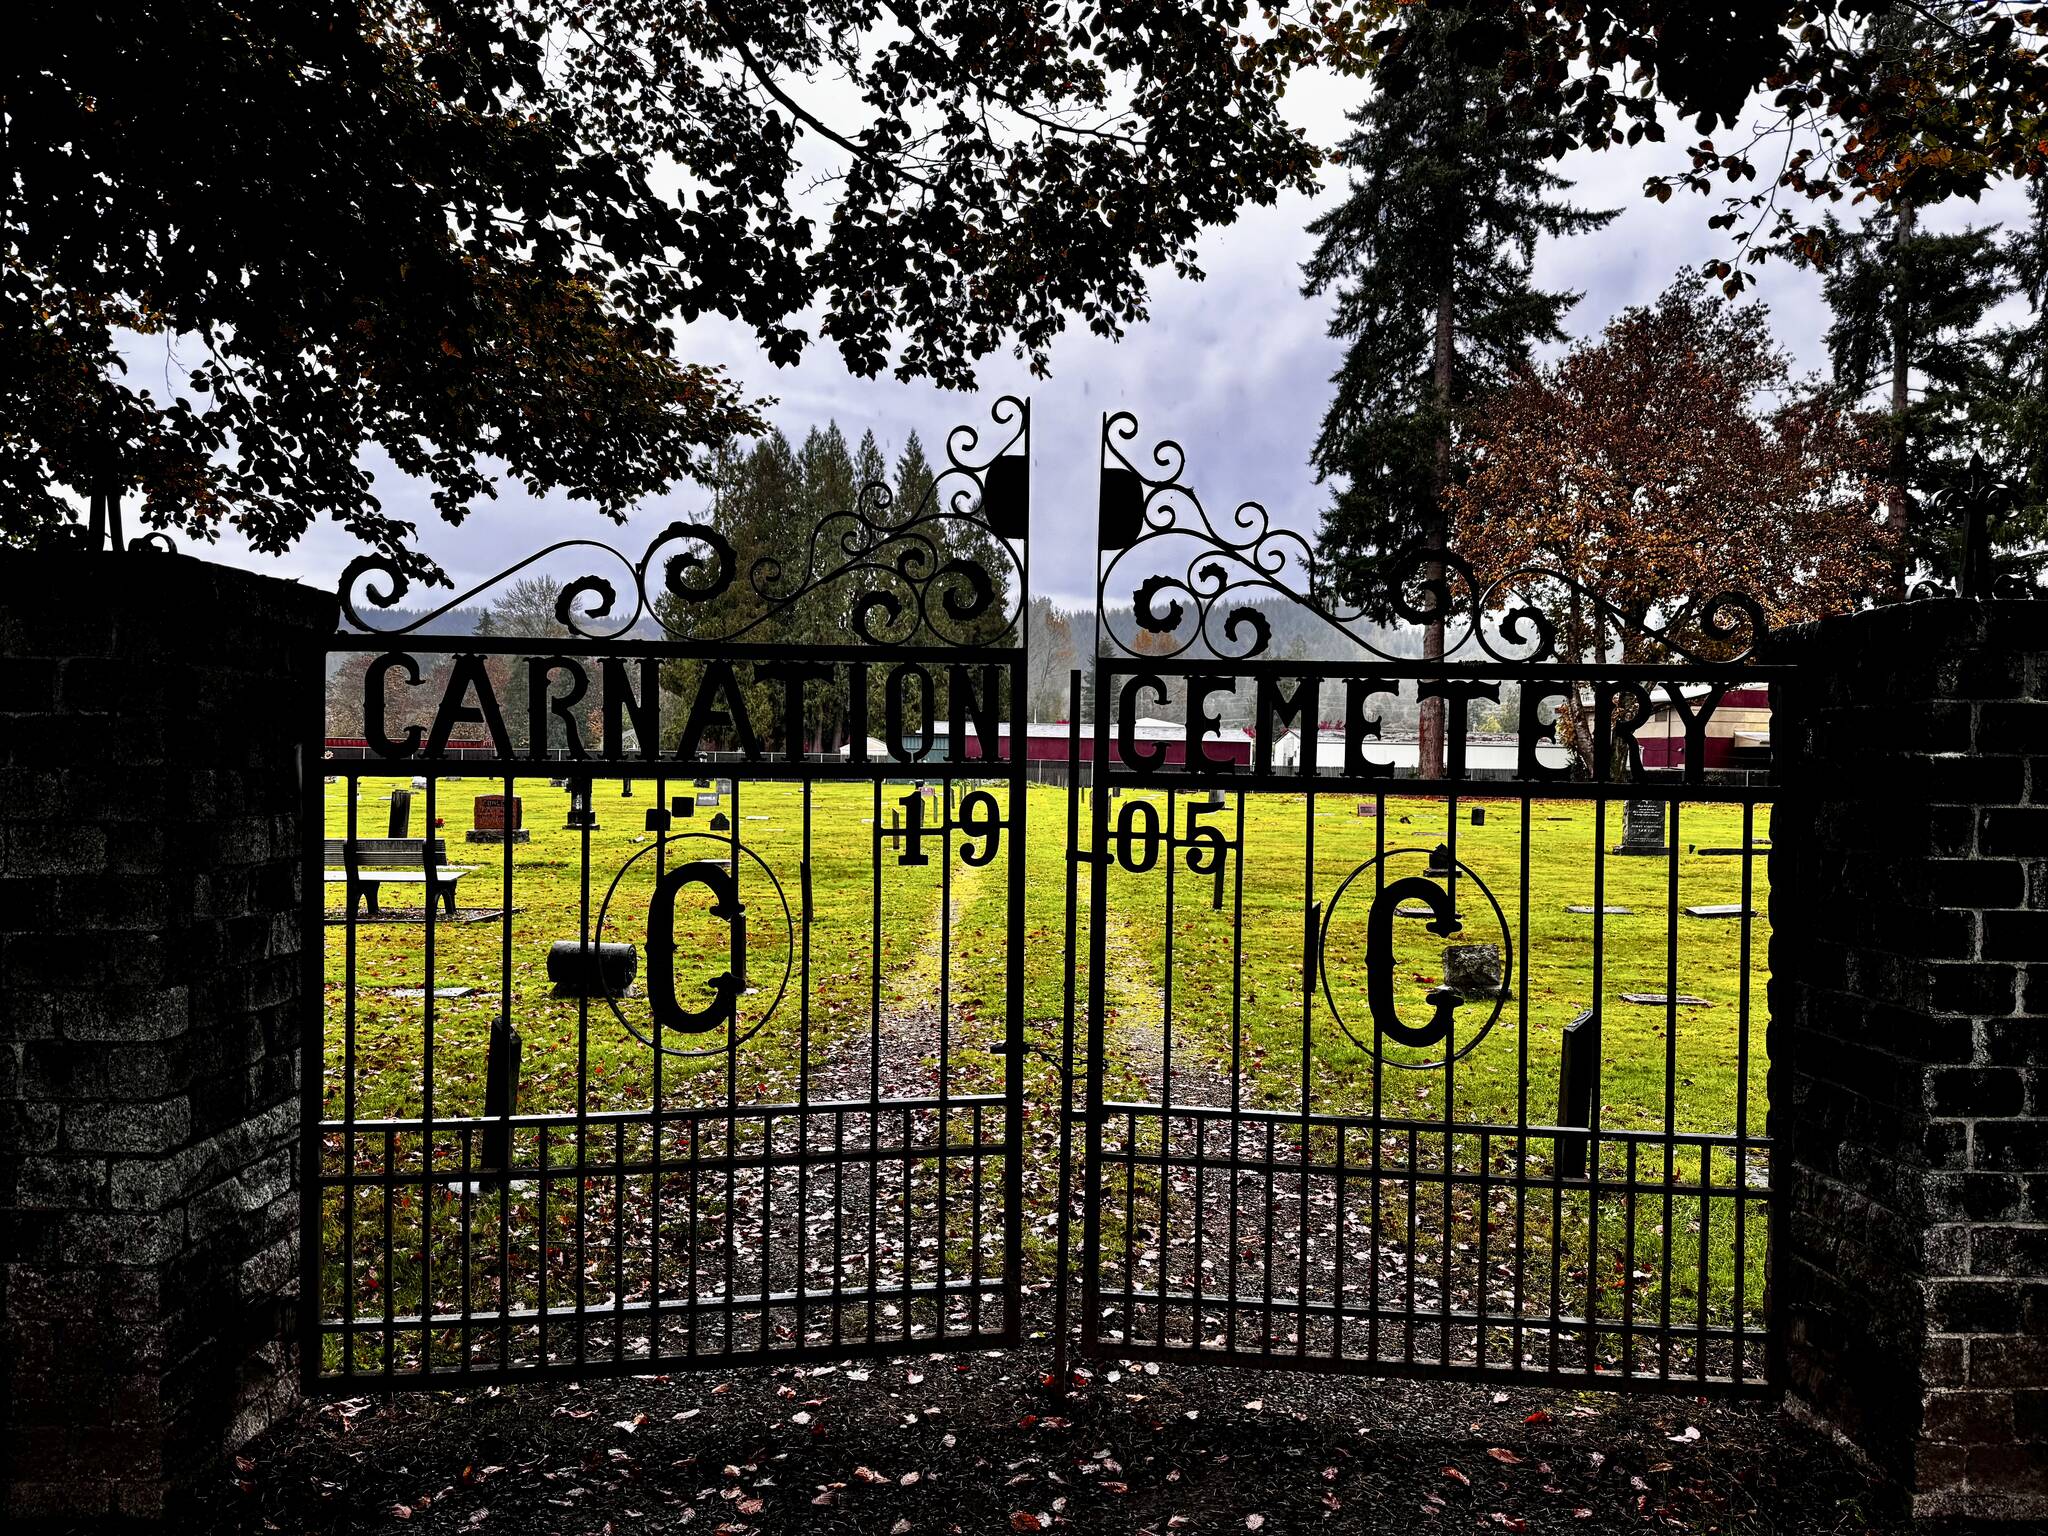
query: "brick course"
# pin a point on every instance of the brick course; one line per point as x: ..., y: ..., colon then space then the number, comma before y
x: 151, y: 965
x: 1909, y: 976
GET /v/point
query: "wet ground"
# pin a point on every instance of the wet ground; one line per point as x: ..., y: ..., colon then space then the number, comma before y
x: 978, y: 1444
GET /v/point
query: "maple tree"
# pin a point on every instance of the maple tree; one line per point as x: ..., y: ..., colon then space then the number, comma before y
x: 1669, y: 460
x: 247, y: 242
x: 1796, y: 104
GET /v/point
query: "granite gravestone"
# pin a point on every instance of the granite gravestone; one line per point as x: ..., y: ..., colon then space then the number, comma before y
x: 1642, y: 828
x: 496, y: 819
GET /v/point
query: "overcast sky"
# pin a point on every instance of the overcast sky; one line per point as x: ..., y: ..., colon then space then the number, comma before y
x: 1236, y: 367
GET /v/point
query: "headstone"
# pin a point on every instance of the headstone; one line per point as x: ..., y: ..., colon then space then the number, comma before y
x: 1478, y: 815
x: 1439, y: 860
x: 1472, y: 970
x: 401, y: 814
x: 1575, y: 1067
x: 591, y: 970
x: 1366, y: 808
x: 501, y: 1095
x: 497, y: 819
x: 582, y: 814
x: 1642, y: 828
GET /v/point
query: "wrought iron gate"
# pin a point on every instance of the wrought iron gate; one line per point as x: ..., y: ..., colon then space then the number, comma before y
x: 1404, y: 1076
x: 793, y: 1133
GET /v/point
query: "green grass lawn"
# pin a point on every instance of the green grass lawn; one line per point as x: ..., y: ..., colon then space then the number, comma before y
x: 1168, y: 983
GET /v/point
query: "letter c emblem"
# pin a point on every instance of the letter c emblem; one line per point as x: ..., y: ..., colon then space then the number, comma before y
x: 1379, y: 961
x: 661, y: 948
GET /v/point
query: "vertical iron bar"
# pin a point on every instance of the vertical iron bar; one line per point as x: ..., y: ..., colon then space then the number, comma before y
x: 348, y: 1085
x: 504, y: 1329
x: 655, y: 1125
x: 427, y: 1092
x: 1312, y: 910
x: 1166, y: 1060
x: 583, y: 1090
x: 1670, y: 1172
x: 803, y: 1088
x: 940, y: 1165
x: 1742, y: 1098
x: 1064, y: 1210
x: 1595, y: 1109
x: 1236, y: 1073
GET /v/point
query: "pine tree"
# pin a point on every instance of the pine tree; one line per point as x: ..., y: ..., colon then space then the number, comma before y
x: 2019, y: 409
x: 1430, y: 259
x: 1910, y: 336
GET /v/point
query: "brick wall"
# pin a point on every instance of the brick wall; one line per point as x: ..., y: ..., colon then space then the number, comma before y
x: 1909, y: 996
x: 152, y: 711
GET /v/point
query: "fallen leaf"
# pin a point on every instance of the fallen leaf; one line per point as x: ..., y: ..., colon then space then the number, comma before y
x: 1456, y: 1476
x: 1024, y: 1520
x: 1504, y: 1456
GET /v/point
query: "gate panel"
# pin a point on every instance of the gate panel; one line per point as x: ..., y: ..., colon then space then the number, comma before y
x: 678, y: 1055
x: 1462, y: 1077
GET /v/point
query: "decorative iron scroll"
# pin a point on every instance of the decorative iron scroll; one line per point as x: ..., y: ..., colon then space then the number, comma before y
x: 940, y: 568
x: 1234, y: 567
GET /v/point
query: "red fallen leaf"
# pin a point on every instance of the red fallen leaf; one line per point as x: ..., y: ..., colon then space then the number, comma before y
x: 1510, y: 1522
x: 1540, y: 1416
x: 1504, y: 1456
x: 1108, y: 1487
x: 750, y: 1506
x: 1582, y: 1513
x: 1456, y: 1476
x: 401, y: 1511
x: 1024, y: 1520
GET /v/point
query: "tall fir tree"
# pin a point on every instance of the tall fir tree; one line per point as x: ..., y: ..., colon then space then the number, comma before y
x: 1430, y: 259
x: 2020, y: 529
x: 1911, y: 338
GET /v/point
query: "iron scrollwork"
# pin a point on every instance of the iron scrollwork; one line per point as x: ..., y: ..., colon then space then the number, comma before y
x: 944, y: 567
x: 1247, y: 560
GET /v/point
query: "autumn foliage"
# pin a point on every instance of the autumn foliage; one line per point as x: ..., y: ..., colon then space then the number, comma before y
x: 1671, y: 459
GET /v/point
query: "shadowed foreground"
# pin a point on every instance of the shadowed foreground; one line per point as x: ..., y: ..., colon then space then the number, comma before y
x: 968, y: 1444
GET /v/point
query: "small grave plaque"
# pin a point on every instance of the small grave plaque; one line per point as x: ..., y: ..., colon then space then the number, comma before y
x: 1366, y: 808
x: 1730, y: 909
x: 1642, y: 828
x: 1659, y: 999
x: 1587, y: 911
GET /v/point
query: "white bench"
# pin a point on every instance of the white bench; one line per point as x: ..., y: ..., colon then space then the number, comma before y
x: 371, y: 862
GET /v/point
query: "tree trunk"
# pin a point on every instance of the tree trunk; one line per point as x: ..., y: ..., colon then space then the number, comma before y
x: 1898, y: 507
x: 1430, y: 724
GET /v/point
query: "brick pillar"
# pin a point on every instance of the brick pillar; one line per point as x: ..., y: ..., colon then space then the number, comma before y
x: 153, y: 715
x: 1909, y: 997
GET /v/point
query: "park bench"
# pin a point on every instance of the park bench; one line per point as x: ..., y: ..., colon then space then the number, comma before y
x: 380, y: 861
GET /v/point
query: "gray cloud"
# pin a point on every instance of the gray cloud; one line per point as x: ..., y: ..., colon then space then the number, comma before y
x: 1236, y: 368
